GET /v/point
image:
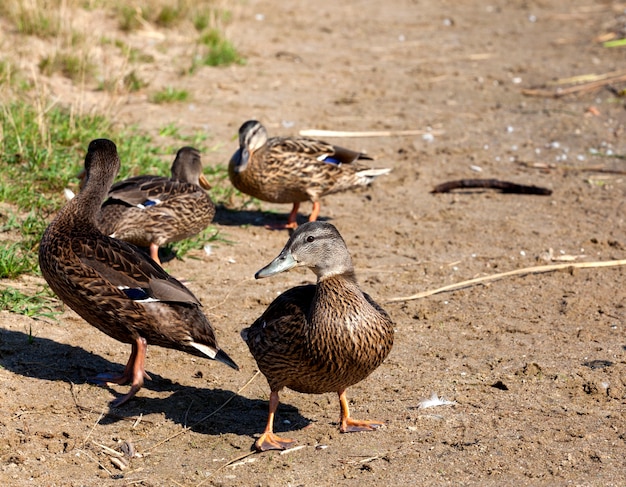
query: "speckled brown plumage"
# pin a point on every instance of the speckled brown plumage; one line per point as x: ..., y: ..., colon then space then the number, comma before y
x: 152, y: 211
x: 295, y: 169
x: 113, y: 286
x: 318, y: 338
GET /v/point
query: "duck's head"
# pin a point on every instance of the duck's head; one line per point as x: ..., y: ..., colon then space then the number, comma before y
x: 252, y: 136
x: 316, y: 245
x: 101, y: 163
x: 187, y: 167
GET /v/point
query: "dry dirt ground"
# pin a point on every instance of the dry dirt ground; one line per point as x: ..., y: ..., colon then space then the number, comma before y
x: 535, y: 365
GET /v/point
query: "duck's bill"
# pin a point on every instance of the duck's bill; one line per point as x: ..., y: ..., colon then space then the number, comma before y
x: 282, y: 263
x: 203, y: 182
x: 241, y: 158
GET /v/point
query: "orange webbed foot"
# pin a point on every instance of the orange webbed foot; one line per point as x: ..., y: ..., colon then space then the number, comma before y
x: 350, y: 425
x: 269, y: 441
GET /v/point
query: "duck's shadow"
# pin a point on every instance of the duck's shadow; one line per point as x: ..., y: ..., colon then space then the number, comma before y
x: 227, y: 217
x: 189, y: 406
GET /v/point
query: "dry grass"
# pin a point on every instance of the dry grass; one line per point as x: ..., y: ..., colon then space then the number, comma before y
x: 111, y: 47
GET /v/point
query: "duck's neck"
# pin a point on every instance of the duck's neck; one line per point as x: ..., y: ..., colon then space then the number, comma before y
x: 87, y: 203
x: 347, y: 276
x: 339, y: 293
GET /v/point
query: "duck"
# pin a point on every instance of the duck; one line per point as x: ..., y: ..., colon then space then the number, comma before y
x: 295, y: 169
x: 152, y: 211
x: 318, y: 338
x: 117, y: 288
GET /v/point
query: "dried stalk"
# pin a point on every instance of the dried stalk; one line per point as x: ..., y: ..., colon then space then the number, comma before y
x: 517, y: 272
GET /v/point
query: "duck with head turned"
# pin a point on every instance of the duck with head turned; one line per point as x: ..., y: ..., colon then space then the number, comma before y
x: 114, y: 286
x: 318, y: 338
x: 295, y: 169
x: 152, y: 211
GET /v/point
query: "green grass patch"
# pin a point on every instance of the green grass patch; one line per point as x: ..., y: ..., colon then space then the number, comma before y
x: 41, y: 153
x: 44, y: 149
x: 169, y: 16
x: 129, y: 83
x: 69, y: 65
x: 197, y: 242
x: 132, y: 54
x: 171, y: 130
x: 130, y: 17
x: 39, y: 22
x: 169, y: 95
x: 31, y: 305
x: 15, y: 261
x: 219, y: 50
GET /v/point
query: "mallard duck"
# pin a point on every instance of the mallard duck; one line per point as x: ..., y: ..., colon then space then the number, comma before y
x: 151, y: 211
x: 295, y: 169
x: 114, y: 286
x: 318, y: 338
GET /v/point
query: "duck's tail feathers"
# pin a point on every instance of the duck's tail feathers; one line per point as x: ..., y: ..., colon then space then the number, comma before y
x: 215, y: 354
x: 225, y: 359
x: 366, y: 176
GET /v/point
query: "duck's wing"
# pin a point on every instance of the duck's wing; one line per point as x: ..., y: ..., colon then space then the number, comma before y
x: 315, y: 149
x: 277, y: 335
x: 141, y: 191
x: 124, y: 266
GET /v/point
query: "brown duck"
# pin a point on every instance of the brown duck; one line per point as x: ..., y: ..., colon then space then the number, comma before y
x: 152, y: 211
x: 114, y: 286
x: 318, y: 338
x: 295, y: 169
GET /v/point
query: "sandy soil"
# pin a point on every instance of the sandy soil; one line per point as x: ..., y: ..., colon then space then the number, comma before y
x: 535, y: 365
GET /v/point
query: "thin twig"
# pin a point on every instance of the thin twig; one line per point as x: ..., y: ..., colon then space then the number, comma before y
x: 371, y: 133
x: 599, y: 168
x: 118, y: 417
x: 585, y: 78
x: 93, y: 427
x: 98, y: 462
x: 136, y: 423
x: 187, y: 428
x: 517, y: 272
x: 591, y: 86
x: 229, y: 462
x: 108, y: 450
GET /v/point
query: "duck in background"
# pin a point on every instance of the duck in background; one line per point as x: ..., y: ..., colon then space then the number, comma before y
x: 295, y: 169
x: 152, y: 211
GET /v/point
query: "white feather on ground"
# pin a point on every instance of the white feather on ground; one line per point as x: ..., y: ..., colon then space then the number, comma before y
x: 433, y: 402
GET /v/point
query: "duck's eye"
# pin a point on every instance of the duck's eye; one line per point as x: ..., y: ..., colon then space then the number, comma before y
x: 310, y: 238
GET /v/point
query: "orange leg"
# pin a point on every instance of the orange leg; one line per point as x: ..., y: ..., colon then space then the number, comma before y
x: 134, y: 372
x: 268, y: 440
x: 291, y: 220
x: 315, y: 212
x: 349, y: 425
x: 154, y: 252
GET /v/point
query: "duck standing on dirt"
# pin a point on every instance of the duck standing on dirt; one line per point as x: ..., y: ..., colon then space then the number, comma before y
x: 114, y: 286
x: 318, y: 338
x: 295, y: 169
x: 152, y: 211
